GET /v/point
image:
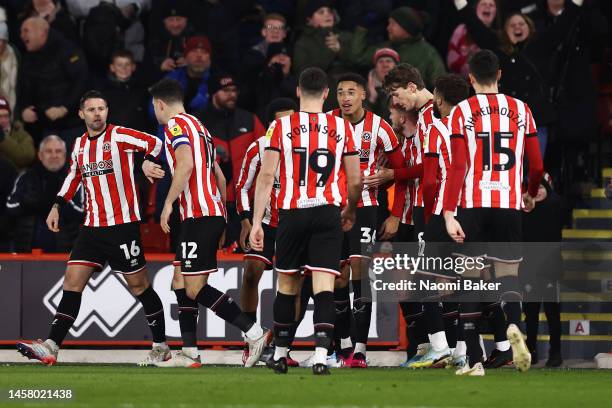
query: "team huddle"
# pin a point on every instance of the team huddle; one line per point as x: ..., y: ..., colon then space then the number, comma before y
x: 308, y: 199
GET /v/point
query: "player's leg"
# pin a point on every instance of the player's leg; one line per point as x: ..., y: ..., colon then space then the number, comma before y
x: 75, y: 279
x: 342, y: 334
x: 255, y: 263
x: 324, y: 247
x: 199, y: 240
x: 501, y: 355
x: 361, y: 235
x: 532, y: 311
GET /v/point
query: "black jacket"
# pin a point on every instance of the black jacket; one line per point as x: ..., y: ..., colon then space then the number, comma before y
x: 525, y: 67
x: 56, y: 75
x: 128, y: 103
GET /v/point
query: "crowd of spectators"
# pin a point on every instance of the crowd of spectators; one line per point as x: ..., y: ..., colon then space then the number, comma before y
x: 233, y: 57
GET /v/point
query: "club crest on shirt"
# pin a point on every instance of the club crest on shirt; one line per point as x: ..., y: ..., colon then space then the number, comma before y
x: 367, y: 136
x: 106, y: 147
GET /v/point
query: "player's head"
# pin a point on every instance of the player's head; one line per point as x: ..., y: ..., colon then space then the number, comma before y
x: 167, y: 99
x: 484, y: 68
x: 312, y: 84
x: 280, y: 107
x: 403, y: 122
x: 351, y: 92
x: 450, y: 89
x: 93, y: 109
x: 403, y: 84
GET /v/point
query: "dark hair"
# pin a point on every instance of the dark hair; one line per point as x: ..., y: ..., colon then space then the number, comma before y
x: 122, y: 54
x: 313, y: 81
x: 453, y: 88
x: 401, y: 75
x: 92, y: 94
x: 484, y: 66
x: 280, y: 105
x: 167, y: 90
x: 352, y: 77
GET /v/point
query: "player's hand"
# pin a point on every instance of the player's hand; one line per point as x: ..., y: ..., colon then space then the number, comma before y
x: 256, y: 237
x: 152, y: 170
x: 53, y: 219
x: 29, y: 115
x: 165, y: 217
x: 528, y: 202
x: 168, y: 65
x: 454, y: 228
x: 389, y: 228
x: 347, y: 218
x: 382, y: 176
x: 244, y: 234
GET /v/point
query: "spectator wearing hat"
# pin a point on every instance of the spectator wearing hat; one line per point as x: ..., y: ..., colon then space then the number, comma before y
x: 16, y: 145
x: 273, y: 31
x: 194, y: 75
x: 167, y: 45
x: 233, y: 130
x: 9, y: 67
x: 53, y: 77
x: 33, y: 195
x: 384, y: 60
x: 405, y: 29
x: 320, y: 43
x: 276, y: 80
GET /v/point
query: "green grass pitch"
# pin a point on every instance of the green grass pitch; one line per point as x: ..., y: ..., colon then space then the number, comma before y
x: 234, y: 387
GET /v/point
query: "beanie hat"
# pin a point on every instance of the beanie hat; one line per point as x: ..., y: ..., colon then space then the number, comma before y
x: 195, y: 43
x: 314, y: 5
x: 218, y: 81
x: 410, y: 19
x: 385, y: 52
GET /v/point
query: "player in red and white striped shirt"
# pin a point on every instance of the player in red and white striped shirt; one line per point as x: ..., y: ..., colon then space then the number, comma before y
x: 490, y: 132
x: 373, y: 137
x: 310, y: 148
x: 102, y: 160
x: 255, y: 262
x: 199, y: 185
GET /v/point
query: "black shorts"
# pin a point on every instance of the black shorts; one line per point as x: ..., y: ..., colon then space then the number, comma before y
x: 309, y: 237
x: 198, y: 243
x: 405, y: 233
x: 491, y: 225
x: 439, y: 245
x: 267, y: 255
x: 119, y: 245
x: 362, y: 233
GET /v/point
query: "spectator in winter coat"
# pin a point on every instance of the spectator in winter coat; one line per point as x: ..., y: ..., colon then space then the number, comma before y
x: 53, y: 76
x: 384, y: 60
x: 32, y: 197
x: 9, y: 67
x: 461, y: 46
x: 16, y: 145
x: 405, y: 29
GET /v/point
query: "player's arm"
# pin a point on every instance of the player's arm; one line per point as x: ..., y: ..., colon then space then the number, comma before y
x: 221, y: 181
x: 429, y: 182
x: 68, y: 190
x: 263, y: 190
x: 534, y: 158
x: 138, y: 141
x: 183, y: 168
x: 405, y: 174
x: 248, y: 172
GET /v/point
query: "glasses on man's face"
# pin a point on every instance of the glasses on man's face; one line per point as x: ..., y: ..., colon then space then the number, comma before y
x: 275, y: 28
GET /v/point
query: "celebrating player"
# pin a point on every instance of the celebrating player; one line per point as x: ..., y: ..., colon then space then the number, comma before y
x: 255, y: 262
x: 199, y: 185
x: 489, y: 134
x: 372, y: 136
x: 102, y: 160
x: 309, y: 147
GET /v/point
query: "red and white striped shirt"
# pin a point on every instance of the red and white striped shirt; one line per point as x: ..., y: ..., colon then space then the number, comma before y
x: 372, y: 136
x: 426, y: 117
x: 494, y: 128
x: 104, y: 164
x: 437, y: 144
x: 201, y: 197
x: 311, y: 147
x: 248, y: 173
